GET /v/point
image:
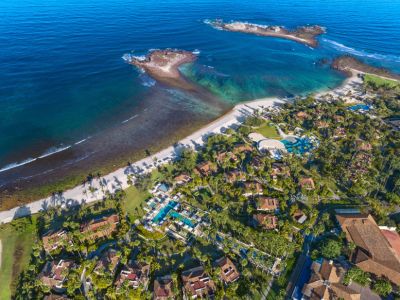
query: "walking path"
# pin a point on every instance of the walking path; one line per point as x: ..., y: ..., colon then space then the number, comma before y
x: 96, y: 190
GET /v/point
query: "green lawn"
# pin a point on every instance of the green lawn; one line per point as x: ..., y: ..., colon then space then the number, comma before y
x: 269, y: 131
x: 379, y: 81
x: 17, y: 241
x: 132, y: 201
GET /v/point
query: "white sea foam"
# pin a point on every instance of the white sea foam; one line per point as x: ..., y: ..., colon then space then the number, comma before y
x: 80, y: 142
x: 196, y: 52
x: 17, y: 164
x: 362, y: 53
x: 146, y: 80
x: 54, y: 150
x: 127, y: 120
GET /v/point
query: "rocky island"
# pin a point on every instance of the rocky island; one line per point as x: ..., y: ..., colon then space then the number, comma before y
x: 162, y: 65
x: 304, y: 34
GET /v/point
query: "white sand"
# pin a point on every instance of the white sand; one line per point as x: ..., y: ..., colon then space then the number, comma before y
x: 118, y: 179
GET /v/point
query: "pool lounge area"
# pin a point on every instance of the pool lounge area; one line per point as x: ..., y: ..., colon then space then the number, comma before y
x: 298, y: 145
x: 360, y: 107
x: 164, y: 212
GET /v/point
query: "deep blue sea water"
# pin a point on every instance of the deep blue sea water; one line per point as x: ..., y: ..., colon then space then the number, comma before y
x: 62, y: 78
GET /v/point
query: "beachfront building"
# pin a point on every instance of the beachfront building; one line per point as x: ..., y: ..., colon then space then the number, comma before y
x: 228, y: 271
x: 226, y: 156
x: 325, y: 283
x: 266, y: 221
x: 54, y: 239
x: 163, y: 288
x: 133, y: 274
x: 107, y: 263
x: 54, y: 274
x: 373, y: 252
x: 197, y: 283
x: 266, y: 203
x: 242, y: 148
x: 100, y: 227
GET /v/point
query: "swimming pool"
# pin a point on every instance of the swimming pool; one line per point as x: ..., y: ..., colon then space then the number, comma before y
x: 164, y: 211
x: 298, y: 145
x: 178, y: 216
x: 359, y: 107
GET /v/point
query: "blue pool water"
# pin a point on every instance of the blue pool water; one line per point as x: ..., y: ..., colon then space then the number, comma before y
x: 359, y: 107
x: 178, y: 216
x: 164, y: 211
x: 300, y: 146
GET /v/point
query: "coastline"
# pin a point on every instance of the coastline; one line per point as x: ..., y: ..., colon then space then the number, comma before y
x: 118, y: 179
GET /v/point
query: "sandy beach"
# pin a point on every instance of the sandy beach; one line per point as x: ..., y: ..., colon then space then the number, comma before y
x: 118, y: 179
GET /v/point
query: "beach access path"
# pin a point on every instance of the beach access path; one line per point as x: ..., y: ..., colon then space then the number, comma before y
x: 98, y: 187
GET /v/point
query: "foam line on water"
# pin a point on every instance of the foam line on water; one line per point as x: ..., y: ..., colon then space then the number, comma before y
x: 54, y: 150
x: 127, y: 120
x: 361, y: 53
x: 17, y: 164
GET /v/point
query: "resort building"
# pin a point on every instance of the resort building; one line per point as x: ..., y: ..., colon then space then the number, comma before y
x: 54, y: 239
x: 242, y: 148
x: 197, y: 283
x: 326, y: 283
x: 135, y: 274
x: 107, y: 263
x: 266, y: 221
x: 234, y: 176
x: 267, y: 204
x: 163, y: 288
x: 182, y: 179
x: 226, y: 156
x: 228, y: 272
x: 301, y: 115
x: 373, y: 252
x: 307, y: 183
x: 205, y: 168
x: 257, y: 162
x: 101, y: 227
x: 54, y: 274
x: 279, y: 169
x: 252, y: 188
x: 300, y: 216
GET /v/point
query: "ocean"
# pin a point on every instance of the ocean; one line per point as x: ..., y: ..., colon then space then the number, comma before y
x: 70, y: 104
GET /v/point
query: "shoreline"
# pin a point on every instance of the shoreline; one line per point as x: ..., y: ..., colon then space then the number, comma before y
x: 118, y: 179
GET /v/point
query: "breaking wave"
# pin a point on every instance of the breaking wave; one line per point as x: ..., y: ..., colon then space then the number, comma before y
x: 343, y: 48
x: 17, y: 164
x: 54, y: 150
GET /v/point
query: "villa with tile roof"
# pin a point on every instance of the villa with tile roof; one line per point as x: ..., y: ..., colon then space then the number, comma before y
x: 373, y: 252
x: 108, y: 262
x: 229, y: 272
x: 136, y: 274
x: 205, y: 168
x: 101, y: 227
x: 54, y: 273
x: 326, y: 283
x: 197, y: 283
x: 265, y: 221
x: 54, y: 239
x: 267, y: 203
x: 163, y: 288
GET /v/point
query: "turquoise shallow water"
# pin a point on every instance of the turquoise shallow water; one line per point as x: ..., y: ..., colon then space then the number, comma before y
x: 63, y: 79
